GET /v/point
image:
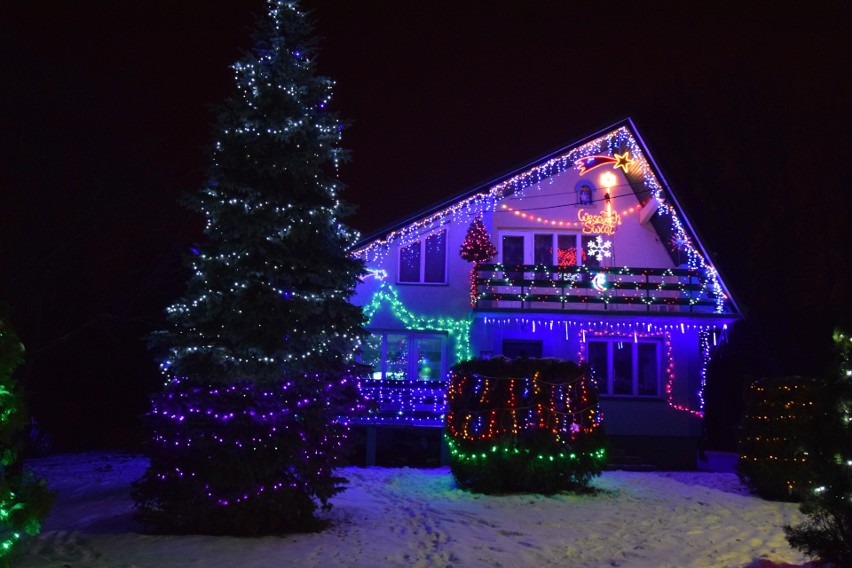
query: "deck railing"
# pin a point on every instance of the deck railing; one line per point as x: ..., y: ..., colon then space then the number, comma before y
x: 402, y: 402
x: 498, y: 286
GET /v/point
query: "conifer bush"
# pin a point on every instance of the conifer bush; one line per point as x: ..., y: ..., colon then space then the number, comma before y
x: 24, y: 500
x: 827, y: 490
x: 773, y: 457
x: 523, y: 425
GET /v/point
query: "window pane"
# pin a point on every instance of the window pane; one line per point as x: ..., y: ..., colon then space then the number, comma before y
x: 409, y: 263
x: 647, y: 370
x: 429, y: 354
x: 513, y: 255
x: 436, y: 257
x: 371, y: 353
x: 397, y: 358
x: 567, y: 250
x: 597, y: 352
x: 525, y: 348
x: 622, y: 368
x: 513, y: 251
x: 543, y: 250
x: 588, y: 259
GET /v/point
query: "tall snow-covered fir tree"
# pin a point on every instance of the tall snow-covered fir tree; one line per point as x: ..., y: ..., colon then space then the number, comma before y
x: 245, y: 436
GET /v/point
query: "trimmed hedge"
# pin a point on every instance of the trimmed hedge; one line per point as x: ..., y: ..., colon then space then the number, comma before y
x: 523, y: 425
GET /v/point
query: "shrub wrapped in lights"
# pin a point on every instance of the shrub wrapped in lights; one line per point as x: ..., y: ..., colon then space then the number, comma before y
x: 523, y: 425
x: 773, y: 457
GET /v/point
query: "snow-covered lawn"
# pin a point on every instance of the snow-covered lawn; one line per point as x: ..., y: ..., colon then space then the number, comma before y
x: 418, y: 517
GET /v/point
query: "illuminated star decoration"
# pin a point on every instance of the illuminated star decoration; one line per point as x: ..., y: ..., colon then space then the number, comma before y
x: 622, y: 161
x: 679, y: 242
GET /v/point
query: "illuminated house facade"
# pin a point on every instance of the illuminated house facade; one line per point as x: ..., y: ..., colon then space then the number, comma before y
x: 583, y: 255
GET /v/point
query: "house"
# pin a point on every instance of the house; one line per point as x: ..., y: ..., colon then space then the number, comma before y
x: 593, y: 261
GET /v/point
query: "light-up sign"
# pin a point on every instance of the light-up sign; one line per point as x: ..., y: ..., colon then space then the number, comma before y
x: 604, y: 223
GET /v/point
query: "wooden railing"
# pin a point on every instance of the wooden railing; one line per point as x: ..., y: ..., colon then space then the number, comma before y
x: 497, y: 286
x: 401, y: 402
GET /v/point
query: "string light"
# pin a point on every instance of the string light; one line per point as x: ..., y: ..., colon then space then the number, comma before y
x: 643, y: 288
x: 457, y: 328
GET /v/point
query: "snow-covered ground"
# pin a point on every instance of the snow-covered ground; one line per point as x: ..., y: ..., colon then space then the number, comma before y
x: 419, y: 518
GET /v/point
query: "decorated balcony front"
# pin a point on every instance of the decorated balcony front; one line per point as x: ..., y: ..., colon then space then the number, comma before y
x: 542, y: 287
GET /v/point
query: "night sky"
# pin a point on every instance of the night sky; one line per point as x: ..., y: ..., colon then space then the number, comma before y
x: 105, y: 113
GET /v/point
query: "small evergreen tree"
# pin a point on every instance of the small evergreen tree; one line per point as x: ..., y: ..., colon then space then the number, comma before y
x: 477, y: 247
x: 260, y: 347
x: 827, y: 498
x: 773, y: 457
x: 24, y: 500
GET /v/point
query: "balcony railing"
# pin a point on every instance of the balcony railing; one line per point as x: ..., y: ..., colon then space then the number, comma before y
x: 401, y: 402
x: 497, y: 286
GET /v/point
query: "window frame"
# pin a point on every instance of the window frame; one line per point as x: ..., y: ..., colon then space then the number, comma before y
x: 424, y: 250
x: 529, y: 237
x: 606, y: 384
x: 413, y: 370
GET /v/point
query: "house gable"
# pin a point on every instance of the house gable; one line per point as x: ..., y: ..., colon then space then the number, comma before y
x: 640, y: 224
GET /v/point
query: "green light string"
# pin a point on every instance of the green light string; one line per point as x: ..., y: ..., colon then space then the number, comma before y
x: 457, y: 329
x: 507, y: 449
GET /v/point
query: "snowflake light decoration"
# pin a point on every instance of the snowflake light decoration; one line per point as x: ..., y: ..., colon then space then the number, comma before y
x: 599, y: 248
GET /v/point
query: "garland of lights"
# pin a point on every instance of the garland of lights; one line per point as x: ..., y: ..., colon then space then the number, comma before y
x: 558, y: 284
x: 273, y: 413
x: 401, y: 402
x: 568, y: 410
x: 489, y: 200
x: 458, y: 329
x: 563, y: 223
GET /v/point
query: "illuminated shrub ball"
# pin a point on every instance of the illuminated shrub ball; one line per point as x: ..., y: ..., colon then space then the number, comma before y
x: 523, y: 425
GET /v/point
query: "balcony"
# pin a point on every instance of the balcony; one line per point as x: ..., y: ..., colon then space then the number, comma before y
x: 587, y: 288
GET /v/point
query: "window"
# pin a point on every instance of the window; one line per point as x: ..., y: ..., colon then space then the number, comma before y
x: 405, y: 355
x: 424, y: 261
x: 584, y: 191
x: 547, y: 249
x: 514, y: 348
x: 624, y: 366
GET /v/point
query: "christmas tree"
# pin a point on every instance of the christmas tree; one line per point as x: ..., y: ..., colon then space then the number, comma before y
x: 827, y: 534
x: 24, y: 501
x: 259, y: 350
x: 477, y: 247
